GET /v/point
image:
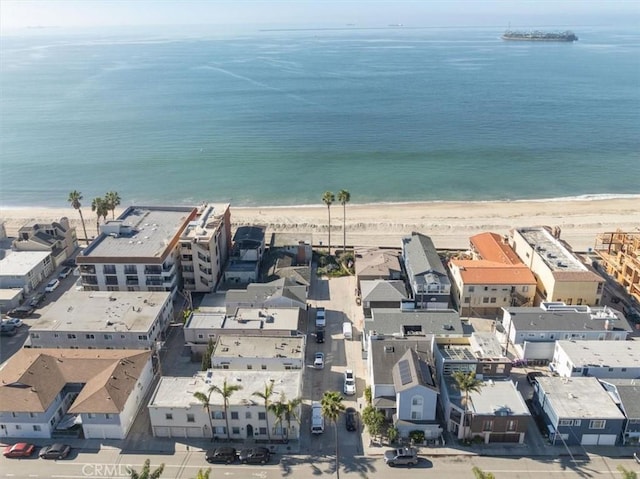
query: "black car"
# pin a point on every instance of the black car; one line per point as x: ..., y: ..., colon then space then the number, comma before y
x: 319, y: 336
x: 221, y: 455
x: 71, y: 262
x: 255, y: 455
x: 20, y: 312
x: 37, y: 300
x: 351, y: 419
x: 7, y: 329
x: 55, y: 451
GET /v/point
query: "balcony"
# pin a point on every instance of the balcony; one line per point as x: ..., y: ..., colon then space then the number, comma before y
x: 150, y: 270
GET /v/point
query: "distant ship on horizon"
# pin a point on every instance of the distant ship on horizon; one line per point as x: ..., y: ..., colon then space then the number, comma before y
x: 538, y: 36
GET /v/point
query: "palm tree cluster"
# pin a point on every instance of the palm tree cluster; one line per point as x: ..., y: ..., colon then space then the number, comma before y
x: 101, y: 206
x: 328, y: 198
x: 283, y: 409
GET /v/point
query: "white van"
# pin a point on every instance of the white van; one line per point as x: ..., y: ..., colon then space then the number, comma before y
x: 347, y: 330
x: 317, y: 419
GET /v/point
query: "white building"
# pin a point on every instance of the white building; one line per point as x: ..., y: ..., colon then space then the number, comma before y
x: 103, y: 320
x: 600, y: 359
x: 533, y: 331
x: 45, y: 390
x: 175, y: 412
x: 25, y: 269
x: 263, y: 353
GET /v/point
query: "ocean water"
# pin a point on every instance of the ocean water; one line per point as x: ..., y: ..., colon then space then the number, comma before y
x: 278, y: 117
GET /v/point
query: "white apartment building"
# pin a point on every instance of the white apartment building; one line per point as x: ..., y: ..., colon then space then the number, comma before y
x: 103, y: 320
x: 600, y: 359
x: 25, y: 269
x: 260, y: 353
x: 175, y: 412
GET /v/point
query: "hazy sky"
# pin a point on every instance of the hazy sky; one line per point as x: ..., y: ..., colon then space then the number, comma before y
x: 329, y: 13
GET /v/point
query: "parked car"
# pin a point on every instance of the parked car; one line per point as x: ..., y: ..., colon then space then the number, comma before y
x: 349, y: 382
x: 37, y: 300
x: 319, y: 336
x: 20, y: 449
x: 52, y: 285
x: 221, y: 455
x: 351, y: 419
x: 15, y: 322
x: 23, y: 311
x: 255, y: 455
x: 71, y: 262
x: 318, y: 360
x: 55, y: 451
x: 402, y: 456
x: 7, y: 330
x: 532, y: 375
x: 65, y: 272
x: 321, y: 318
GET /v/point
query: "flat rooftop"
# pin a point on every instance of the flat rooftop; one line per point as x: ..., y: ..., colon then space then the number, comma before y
x: 232, y: 346
x: 579, y: 397
x: 19, y: 263
x: 553, y: 252
x: 570, y: 318
x: 392, y: 321
x: 139, y: 232
x: 178, y: 391
x: 602, y: 353
x: 207, y: 222
x: 486, y: 345
x: 98, y: 311
x: 247, y: 318
x: 494, y: 396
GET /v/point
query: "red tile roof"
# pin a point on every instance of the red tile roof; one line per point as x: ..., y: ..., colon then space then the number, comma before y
x: 490, y: 246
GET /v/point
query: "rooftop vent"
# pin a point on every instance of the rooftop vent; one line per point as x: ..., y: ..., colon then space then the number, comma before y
x: 388, y: 349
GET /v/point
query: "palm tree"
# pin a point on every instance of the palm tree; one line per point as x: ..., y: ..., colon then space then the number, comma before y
x: 343, y: 198
x: 205, y: 399
x: 279, y: 409
x: 99, y: 205
x: 626, y: 473
x: 466, y: 383
x: 328, y: 198
x: 291, y: 412
x: 266, y: 396
x: 480, y: 474
x: 112, y: 198
x: 203, y: 474
x: 226, y: 392
x: 74, y: 199
x: 146, y: 473
x: 331, y: 408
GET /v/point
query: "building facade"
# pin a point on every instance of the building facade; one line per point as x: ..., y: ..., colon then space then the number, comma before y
x: 600, y: 359
x: 58, y: 238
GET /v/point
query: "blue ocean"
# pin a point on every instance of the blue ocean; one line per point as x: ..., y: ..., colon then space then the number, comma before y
x: 278, y: 117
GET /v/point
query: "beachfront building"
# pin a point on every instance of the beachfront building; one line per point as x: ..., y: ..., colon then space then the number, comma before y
x: 205, y: 325
x: 560, y: 274
x: 426, y: 275
x: 45, y: 392
x: 103, y: 320
x: 377, y: 264
x: 497, y: 413
x: 620, y: 255
x: 600, y: 359
x: 280, y: 293
x: 175, y: 412
x: 262, y: 353
x: 289, y: 257
x: 58, y: 238
x: 577, y: 411
x: 532, y: 331
x: 25, y: 270
x: 246, y: 255
x: 204, y: 246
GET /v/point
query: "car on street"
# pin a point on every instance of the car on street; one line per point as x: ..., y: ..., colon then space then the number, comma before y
x: 23, y: 311
x: 255, y: 455
x: 321, y: 318
x: 55, y: 451
x: 221, y: 455
x: 65, y: 272
x: 15, y: 322
x: 20, y: 449
x: 349, y: 382
x: 319, y: 336
x: 400, y: 457
x: 532, y: 375
x: 318, y: 360
x: 7, y: 330
x: 37, y: 300
x: 52, y: 285
x: 71, y: 262
x: 351, y: 419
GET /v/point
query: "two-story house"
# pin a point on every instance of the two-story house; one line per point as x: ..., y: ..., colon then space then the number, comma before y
x: 58, y: 238
x: 246, y: 255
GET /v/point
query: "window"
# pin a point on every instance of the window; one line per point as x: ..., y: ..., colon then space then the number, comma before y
x: 264, y: 366
x: 493, y: 300
x: 247, y: 415
x: 107, y: 416
x: 235, y: 430
x: 142, y: 337
x: 597, y: 424
x: 32, y: 414
x: 221, y: 430
x: 416, y: 401
x: 108, y: 337
x: 485, y: 300
x: 467, y: 299
x: 577, y: 422
x: 525, y: 289
x: 35, y: 336
x: 37, y: 428
x: 249, y: 366
x: 579, y: 301
x: 565, y: 422
x: 262, y: 416
x: 486, y: 288
x: 416, y: 415
x: 487, y: 425
x: 234, y: 415
x: 191, y: 418
x: 168, y: 416
x: 218, y: 414
x: 71, y: 336
x: 90, y: 336
x: 263, y: 431
x: 512, y: 425
x: 472, y: 289
x: 225, y: 365
x: 18, y: 427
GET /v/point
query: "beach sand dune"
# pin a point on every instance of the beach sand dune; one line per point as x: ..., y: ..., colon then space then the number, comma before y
x: 450, y: 224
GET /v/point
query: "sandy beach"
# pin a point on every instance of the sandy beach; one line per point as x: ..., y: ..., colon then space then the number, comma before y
x: 448, y: 223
